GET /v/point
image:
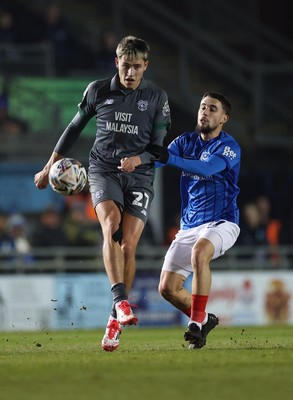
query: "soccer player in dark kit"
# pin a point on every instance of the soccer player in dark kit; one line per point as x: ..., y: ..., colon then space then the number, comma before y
x: 132, y: 115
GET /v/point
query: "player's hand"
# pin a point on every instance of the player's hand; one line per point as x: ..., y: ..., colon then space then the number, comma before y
x: 128, y: 164
x: 41, y: 179
x: 160, y: 153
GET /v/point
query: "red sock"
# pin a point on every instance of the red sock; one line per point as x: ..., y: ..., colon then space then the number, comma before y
x: 187, y: 311
x: 198, y: 306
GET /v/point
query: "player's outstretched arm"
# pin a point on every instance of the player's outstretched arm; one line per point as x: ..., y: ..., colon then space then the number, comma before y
x: 213, y: 165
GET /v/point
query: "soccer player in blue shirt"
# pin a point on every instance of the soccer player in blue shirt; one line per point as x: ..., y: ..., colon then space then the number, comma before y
x: 210, y: 162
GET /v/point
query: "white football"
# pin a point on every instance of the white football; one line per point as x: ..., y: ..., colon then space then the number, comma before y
x: 67, y: 176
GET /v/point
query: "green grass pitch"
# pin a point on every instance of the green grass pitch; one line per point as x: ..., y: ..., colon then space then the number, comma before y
x: 150, y: 364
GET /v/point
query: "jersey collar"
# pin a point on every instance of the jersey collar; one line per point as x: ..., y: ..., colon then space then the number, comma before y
x: 114, y: 86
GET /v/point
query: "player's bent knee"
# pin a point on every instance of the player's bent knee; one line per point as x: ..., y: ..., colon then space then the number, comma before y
x: 165, y: 291
x: 117, y: 236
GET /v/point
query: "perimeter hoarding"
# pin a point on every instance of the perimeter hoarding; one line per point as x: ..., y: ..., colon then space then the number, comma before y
x: 83, y: 301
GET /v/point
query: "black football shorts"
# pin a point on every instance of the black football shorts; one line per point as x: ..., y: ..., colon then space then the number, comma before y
x: 131, y: 192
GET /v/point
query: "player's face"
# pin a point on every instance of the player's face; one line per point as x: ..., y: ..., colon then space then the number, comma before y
x: 211, y: 115
x: 130, y: 71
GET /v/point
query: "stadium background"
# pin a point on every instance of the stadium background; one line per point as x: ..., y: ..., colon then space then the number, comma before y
x: 244, y: 51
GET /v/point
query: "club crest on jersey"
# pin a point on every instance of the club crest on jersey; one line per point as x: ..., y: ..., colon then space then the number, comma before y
x: 166, y: 109
x: 143, y: 105
x: 204, y: 156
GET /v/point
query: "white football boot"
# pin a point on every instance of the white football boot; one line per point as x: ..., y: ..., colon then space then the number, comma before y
x: 111, y: 338
x: 125, y: 315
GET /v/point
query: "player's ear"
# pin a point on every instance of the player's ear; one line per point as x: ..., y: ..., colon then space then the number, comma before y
x: 146, y: 64
x: 225, y: 118
x: 116, y: 62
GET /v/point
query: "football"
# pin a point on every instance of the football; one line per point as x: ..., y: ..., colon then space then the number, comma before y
x: 67, y: 176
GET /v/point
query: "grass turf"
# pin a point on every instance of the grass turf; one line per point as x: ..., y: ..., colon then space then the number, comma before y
x: 150, y: 364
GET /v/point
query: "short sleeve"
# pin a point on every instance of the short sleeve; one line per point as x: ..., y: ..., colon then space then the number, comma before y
x: 87, y: 105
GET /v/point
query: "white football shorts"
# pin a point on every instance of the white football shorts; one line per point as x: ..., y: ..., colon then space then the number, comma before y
x: 222, y: 234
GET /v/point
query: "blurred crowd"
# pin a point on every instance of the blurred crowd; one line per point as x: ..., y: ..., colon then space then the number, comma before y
x: 75, y: 225
x: 49, y: 26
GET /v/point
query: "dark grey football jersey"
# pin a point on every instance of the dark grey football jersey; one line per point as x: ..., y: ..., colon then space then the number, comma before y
x: 127, y: 121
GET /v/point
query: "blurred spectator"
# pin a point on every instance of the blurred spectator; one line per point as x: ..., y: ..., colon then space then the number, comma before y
x: 148, y: 237
x: 252, y: 233
x: 79, y: 229
x: 18, y: 24
x: 84, y: 200
x: 258, y: 228
x: 252, y: 230
x: 18, y: 234
x: 10, y: 127
x: 8, y: 32
x: 172, y: 229
x: 14, y: 242
x: 56, y: 32
x: 49, y: 231
x: 107, y: 53
x: 5, y: 244
x: 271, y: 225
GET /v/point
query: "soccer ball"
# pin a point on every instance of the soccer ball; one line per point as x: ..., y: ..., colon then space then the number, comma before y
x: 67, y: 176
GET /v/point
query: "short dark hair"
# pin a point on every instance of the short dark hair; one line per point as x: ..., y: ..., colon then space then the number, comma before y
x: 222, y: 99
x: 133, y: 47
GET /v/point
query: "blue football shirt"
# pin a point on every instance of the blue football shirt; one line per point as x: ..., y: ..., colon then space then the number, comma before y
x: 209, y: 179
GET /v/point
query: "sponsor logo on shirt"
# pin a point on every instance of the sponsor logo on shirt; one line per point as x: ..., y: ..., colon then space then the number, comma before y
x: 197, y: 177
x: 109, y: 101
x: 166, y: 109
x: 120, y: 126
x: 229, y: 153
